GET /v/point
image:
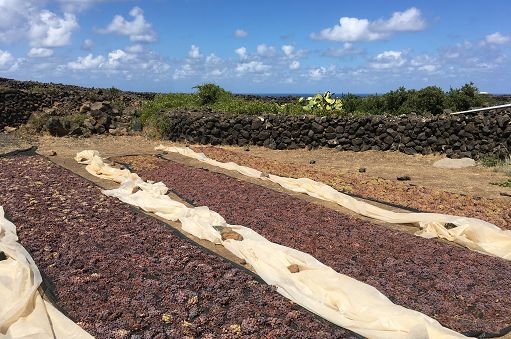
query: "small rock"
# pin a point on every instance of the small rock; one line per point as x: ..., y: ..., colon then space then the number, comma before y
x: 56, y: 128
x: 246, y: 149
x: 504, y: 194
x: 228, y: 233
x: 312, y: 162
x: 9, y: 129
x: 404, y: 178
x: 50, y: 153
x: 454, y: 163
x: 294, y: 268
x: 85, y: 108
x: 231, y: 235
x: 137, y: 126
x: 362, y: 170
x: 2, y: 256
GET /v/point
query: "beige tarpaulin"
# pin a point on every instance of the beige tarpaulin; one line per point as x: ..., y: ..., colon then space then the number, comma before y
x: 336, y: 297
x: 23, y: 312
x: 472, y: 233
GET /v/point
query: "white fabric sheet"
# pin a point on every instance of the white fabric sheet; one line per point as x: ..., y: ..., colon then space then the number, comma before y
x: 475, y: 234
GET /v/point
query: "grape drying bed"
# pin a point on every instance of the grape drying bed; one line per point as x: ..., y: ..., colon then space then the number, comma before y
x: 117, y: 272
x: 464, y: 290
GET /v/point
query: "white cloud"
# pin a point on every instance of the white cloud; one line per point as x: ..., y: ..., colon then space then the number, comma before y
x: 288, y: 50
x: 410, y: 20
x: 241, y: 52
x: 183, y: 72
x: 138, y: 30
x: 6, y: 59
x: 194, y: 52
x: 265, y: 51
x: 212, y: 59
x: 78, y: 5
x: 239, y: 33
x: 136, y: 48
x: 14, y: 18
x: 497, y: 39
x: 388, y: 60
x: 252, y: 67
x: 355, y: 29
x: 426, y: 63
x: 49, y: 30
x: 117, y: 58
x: 317, y: 73
x: 87, y: 44
x: 86, y: 62
x: 294, y: 65
x: 38, y: 52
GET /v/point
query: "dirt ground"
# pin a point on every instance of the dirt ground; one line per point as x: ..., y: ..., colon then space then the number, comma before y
x: 388, y: 165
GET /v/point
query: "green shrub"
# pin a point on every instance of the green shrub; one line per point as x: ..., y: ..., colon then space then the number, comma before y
x: 461, y: 99
x: 210, y: 93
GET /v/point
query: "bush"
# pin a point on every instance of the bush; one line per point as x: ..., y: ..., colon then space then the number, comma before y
x: 210, y: 93
x: 464, y: 98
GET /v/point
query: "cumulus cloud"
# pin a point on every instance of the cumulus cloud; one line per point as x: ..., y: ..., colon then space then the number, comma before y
x: 212, y: 59
x: 252, y: 67
x: 425, y: 63
x: 288, y: 50
x: 497, y: 39
x: 265, y: 50
x: 49, y: 30
x: 184, y: 71
x: 241, y: 52
x: 239, y: 33
x: 317, y: 73
x: 355, y: 29
x: 388, y: 60
x: 138, y: 30
x: 87, y: 62
x: 294, y: 65
x: 39, y: 52
x: 194, y: 52
x: 6, y: 59
x: 121, y: 62
x: 15, y: 17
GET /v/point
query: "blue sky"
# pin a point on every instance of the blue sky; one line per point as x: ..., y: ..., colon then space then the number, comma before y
x: 258, y: 46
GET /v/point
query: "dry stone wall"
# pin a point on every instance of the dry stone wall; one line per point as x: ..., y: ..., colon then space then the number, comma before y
x: 19, y: 99
x: 456, y: 136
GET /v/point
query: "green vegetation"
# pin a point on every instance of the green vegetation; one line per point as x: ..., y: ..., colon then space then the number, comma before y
x: 491, y: 161
x: 429, y: 100
x: 506, y: 183
x: 321, y: 103
x: 211, y: 97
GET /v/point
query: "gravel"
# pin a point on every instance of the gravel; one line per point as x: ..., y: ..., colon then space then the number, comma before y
x: 120, y: 273
x: 464, y: 290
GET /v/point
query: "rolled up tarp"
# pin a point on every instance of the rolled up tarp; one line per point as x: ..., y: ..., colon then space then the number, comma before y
x: 472, y: 233
x: 298, y: 276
